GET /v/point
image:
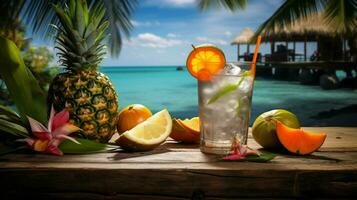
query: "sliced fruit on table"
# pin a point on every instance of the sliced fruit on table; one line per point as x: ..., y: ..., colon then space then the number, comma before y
x: 204, y: 61
x: 192, y: 124
x: 148, y: 134
x: 264, y: 127
x: 186, y: 131
x: 299, y: 141
x: 131, y: 116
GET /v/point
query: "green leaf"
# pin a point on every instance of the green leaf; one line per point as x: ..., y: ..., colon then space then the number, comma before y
x: 5, y: 149
x: 239, y: 108
x: 264, y: 157
x: 79, y: 20
x: 228, y: 88
x: 223, y: 92
x: 85, y: 146
x: 10, y: 115
x: 228, y: 4
x: 13, y: 128
x: 24, y: 89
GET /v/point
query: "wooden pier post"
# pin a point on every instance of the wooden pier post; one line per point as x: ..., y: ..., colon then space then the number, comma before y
x: 238, y: 52
x: 305, y: 50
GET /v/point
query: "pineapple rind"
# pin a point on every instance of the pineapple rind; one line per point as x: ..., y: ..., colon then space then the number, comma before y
x: 91, y: 100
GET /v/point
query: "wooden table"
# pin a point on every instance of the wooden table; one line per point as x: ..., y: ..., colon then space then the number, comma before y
x: 176, y: 171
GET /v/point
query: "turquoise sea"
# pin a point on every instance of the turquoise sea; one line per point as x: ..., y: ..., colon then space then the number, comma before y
x: 164, y: 87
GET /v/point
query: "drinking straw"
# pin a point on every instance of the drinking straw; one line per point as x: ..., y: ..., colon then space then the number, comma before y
x: 253, y: 65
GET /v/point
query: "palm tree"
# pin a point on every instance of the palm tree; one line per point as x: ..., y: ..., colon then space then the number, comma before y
x: 228, y: 4
x: 38, y: 14
x: 341, y: 15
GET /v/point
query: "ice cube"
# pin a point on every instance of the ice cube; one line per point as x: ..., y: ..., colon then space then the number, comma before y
x: 245, y: 101
x: 231, y: 69
x: 246, y: 84
x: 233, y: 103
x: 208, y: 91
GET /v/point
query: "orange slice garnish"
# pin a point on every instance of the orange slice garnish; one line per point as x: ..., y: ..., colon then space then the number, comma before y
x: 205, y: 61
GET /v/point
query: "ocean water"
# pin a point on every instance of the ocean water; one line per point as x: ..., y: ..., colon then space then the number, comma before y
x: 164, y: 87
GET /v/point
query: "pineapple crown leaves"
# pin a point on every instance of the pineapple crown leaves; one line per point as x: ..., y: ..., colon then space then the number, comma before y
x: 80, y: 35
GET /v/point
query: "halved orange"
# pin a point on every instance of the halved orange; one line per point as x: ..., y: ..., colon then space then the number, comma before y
x: 205, y: 61
x: 182, y: 134
x: 192, y: 125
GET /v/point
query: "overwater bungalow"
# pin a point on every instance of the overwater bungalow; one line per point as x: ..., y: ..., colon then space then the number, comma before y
x: 335, y: 51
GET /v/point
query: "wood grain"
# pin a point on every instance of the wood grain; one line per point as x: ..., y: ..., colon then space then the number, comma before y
x: 177, y: 171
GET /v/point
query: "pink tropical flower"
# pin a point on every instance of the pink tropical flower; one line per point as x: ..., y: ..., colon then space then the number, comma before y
x: 48, y: 139
x: 240, y: 152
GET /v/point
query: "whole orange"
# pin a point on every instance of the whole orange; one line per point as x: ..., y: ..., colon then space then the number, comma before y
x: 131, y: 116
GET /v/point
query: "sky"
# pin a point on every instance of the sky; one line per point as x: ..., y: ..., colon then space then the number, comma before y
x: 165, y: 29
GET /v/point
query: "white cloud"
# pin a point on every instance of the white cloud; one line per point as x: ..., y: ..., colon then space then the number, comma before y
x: 202, y: 39
x: 154, y: 41
x: 227, y: 33
x: 172, y: 35
x: 170, y: 3
x: 145, y: 23
x: 211, y: 40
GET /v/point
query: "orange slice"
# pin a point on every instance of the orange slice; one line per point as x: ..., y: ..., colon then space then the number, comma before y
x: 205, y: 61
x: 299, y: 141
x: 181, y: 134
x: 192, y: 125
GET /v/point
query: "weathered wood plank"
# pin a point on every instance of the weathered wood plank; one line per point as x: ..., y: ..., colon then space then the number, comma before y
x: 177, y: 171
x: 183, y: 183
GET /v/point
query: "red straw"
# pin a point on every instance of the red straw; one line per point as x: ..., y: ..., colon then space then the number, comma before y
x: 253, y: 65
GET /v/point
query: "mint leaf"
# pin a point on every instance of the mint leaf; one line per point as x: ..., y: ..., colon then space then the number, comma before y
x: 240, y: 102
x: 223, y: 92
x: 228, y: 88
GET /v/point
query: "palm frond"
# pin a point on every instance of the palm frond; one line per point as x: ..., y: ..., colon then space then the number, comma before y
x: 9, y: 12
x: 228, y: 4
x: 39, y: 15
x: 288, y: 12
x: 342, y: 15
x: 119, y: 14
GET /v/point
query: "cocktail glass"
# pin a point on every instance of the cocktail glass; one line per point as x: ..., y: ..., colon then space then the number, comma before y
x: 224, y: 109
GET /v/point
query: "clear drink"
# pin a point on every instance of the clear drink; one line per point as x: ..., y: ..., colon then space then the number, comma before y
x: 224, y: 109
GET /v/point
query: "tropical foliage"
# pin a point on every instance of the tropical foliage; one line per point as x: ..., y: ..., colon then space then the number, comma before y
x: 40, y: 62
x: 22, y: 85
x: 24, y: 89
x: 38, y: 14
x: 339, y: 14
x: 228, y: 4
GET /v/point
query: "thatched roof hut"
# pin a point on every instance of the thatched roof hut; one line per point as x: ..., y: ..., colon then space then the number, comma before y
x: 313, y: 28
x: 244, y: 37
x: 309, y: 29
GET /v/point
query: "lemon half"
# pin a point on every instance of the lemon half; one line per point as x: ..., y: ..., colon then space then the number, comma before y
x: 148, y: 134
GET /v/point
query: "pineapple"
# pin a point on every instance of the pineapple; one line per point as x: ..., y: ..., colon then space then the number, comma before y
x: 87, y: 94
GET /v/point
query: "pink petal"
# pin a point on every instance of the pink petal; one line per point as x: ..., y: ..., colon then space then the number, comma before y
x: 65, y: 129
x: 29, y: 141
x: 37, y: 126
x: 59, y: 119
x: 63, y: 137
x: 43, y: 135
x: 53, y: 112
x: 234, y: 157
x: 252, y: 152
x: 54, y: 150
